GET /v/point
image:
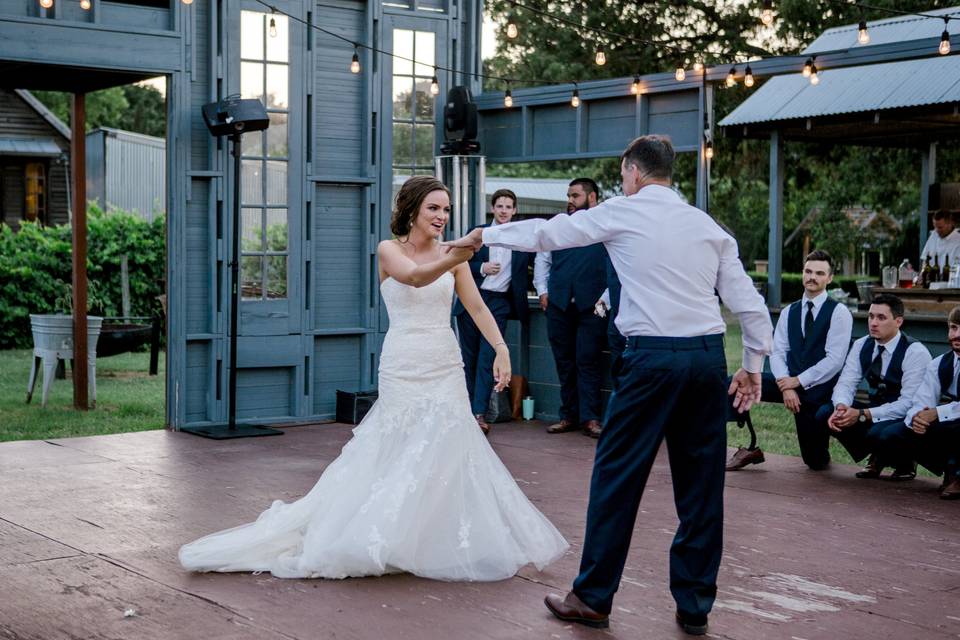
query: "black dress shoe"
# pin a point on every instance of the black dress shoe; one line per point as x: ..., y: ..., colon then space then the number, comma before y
x: 692, y: 625
x: 907, y: 472
x: 871, y: 470
x: 573, y: 609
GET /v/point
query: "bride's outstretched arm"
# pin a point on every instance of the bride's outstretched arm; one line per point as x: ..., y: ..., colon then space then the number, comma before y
x: 398, y: 266
x: 473, y: 303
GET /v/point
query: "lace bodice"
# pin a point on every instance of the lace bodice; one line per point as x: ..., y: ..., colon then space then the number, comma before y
x: 425, y: 308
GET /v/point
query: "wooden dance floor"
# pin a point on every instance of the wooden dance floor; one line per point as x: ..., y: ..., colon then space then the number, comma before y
x: 90, y: 527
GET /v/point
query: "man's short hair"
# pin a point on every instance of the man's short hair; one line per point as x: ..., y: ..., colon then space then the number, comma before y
x: 503, y: 193
x: 821, y: 256
x: 940, y: 214
x: 954, y: 317
x: 653, y: 155
x: 589, y: 185
x: 892, y: 301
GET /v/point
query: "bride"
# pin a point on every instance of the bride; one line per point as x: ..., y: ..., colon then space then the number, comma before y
x: 418, y: 488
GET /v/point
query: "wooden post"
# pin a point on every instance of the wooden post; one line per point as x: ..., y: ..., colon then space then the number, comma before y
x: 775, y: 242
x: 79, y: 177
x: 928, y: 175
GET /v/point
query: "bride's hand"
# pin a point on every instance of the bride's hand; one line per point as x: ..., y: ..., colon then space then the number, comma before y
x: 501, y: 368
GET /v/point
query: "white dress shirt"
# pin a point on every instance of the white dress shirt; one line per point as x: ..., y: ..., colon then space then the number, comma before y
x: 940, y: 247
x: 915, y: 361
x: 928, y: 395
x: 838, y: 339
x: 670, y: 257
x: 499, y: 281
x: 541, y: 271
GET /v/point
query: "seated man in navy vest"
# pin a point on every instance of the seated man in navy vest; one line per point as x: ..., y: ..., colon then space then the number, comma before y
x: 570, y: 282
x: 501, y: 276
x: 890, y: 365
x: 809, y: 347
x: 931, y: 432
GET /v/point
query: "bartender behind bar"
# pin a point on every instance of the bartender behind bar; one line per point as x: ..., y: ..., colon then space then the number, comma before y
x: 943, y: 243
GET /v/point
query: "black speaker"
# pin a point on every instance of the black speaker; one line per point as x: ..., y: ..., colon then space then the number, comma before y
x: 353, y: 405
x: 460, y: 123
x: 234, y: 114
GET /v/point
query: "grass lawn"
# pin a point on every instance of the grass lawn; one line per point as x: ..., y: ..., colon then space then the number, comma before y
x: 127, y: 399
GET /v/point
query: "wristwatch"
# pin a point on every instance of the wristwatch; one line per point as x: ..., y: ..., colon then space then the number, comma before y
x: 862, y: 417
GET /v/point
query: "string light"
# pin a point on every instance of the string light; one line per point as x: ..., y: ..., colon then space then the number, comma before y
x: 748, y: 76
x: 863, y: 36
x: 434, y: 84
x: 46, y: 4
x: 698, y: 65
x: 85, y: 5
x: 708, y: 149
x: 680, y: 74
x: 273, y: 27
x: 355, y: 62
x: 766, y: 16
x: 635, y: 86
x: 601, y: 57
x: 512, y: 31
x: 732, y: 77
x: 507, y: 98
x: 575, y: 99
x: 807, y: 67
x: 814, y: 78
x: 944, y: 47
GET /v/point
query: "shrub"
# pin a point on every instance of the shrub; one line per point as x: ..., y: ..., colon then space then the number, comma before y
x: 36, y: 269
x: 791, y: 284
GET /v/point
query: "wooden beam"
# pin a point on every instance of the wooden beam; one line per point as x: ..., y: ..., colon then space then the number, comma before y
x: 79, y: 177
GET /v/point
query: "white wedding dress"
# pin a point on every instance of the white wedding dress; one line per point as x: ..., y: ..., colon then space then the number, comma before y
x: 417, y: 489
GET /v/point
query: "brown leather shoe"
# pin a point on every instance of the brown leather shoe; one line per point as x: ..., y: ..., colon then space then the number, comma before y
x: 563, y: 426
x: 742, y: 457
x: 871, y: 470
x: 692, y: 626
x: 952, y: 490
x: 908, y: 472
x: 482, y: 421
x: 572, y: 609
x: 592, y: 428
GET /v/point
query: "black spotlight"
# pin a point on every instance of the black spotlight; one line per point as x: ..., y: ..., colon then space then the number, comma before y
x: 460, y: 123
x: 233, y: 117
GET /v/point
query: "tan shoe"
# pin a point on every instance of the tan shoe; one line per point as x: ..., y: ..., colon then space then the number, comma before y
x: 592, y: 428
x: 563, y: 426
x: 572, y: 609
x: 952, y: 490
x: 482, y: 421
x: 742, y: 457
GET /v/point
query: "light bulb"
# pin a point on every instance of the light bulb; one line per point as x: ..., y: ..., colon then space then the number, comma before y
x: 507, y: 99
x: 355, y: 63
x: 732, y: 77
x: 635, y: 87
x: 863, y: 36
x: 680, y: 74
x: 85, y: 5
x: 708, y: 150
x: 575, y: 99
x: 814, y: 78
x: 273, y: 28
x: 944, y: 47
x: 698, y: 66
x: 748, y: 76
x: 46, y: 4
x: 601, y: 58
x: 187, y: 1
x: 512, y: 31
x: 807, y: 67
x: 434, y: 86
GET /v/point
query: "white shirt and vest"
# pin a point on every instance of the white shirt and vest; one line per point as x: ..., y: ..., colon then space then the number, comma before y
x: 929, y: 393
x: 937, y: 247
x: 671, y: 259
x: 838, y: 338
x: 915, y: 361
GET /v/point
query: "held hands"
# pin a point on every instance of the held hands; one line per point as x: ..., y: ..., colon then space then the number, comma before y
x: 745, y: 387
x: 501, y: 368
x: 472, y: 241
x: 922, y: 421
x: 791, y: 400
x: 842, y: 417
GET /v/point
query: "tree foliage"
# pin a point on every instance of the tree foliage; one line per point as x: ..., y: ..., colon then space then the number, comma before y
x: 136, y: 108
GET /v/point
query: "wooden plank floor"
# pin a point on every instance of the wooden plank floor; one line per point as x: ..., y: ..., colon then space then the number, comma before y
x: 89, y: 530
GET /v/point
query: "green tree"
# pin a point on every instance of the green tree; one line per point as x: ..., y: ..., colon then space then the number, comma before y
x: 134, y: 108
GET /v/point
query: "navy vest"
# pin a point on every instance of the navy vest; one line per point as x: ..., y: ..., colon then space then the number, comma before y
x: 886, y: 389
x: 945, y: 373
x: 806, y: 352
x: 579, y: 274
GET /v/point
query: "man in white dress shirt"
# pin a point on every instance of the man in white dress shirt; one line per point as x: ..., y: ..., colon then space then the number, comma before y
x: 810, y: 345
x: 889, y: 366
x: 931, y: 431
x: 670, y: 258
x: 944, y: 240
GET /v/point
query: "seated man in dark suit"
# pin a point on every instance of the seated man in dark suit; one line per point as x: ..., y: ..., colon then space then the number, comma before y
x: 501, y: 276
x: 931, y: 432
x: 890, y: 365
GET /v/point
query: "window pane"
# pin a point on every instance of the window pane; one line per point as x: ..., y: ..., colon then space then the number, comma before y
x: 276, y: 277
x: 251, y: 35
x: 251, y: 80
x: 276, y: 182
x: 277, y: 86
x: 252, y: 231
x: 402, y: 97
x: 277, y: 230
x: 277, y: 46
x: 402, y: 144
x: 424, y: 144
x: 403, y: 46
x: 425, y: 100
x: 426, y: 58
x: 252, y: 144
x: 251, y: 277
x: 277, y: 136
x: 250, y: 184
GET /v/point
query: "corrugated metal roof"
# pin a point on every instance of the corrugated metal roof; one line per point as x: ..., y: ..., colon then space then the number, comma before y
x: 899, y: 29
x: 892, y: 85
x: 31, y: 147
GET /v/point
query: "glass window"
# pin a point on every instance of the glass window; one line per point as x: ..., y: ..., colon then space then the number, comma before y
x: 264, y: 75
x: 414, y: 107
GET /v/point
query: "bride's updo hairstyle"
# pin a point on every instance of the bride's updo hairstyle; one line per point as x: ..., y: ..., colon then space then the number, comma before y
x: 409, y: 199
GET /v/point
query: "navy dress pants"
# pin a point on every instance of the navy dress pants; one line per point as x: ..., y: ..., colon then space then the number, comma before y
x: 477, y: 353
x: 938, y: 449
x: 861, y: 439
x: 673, y: 388
x: 577, y: 338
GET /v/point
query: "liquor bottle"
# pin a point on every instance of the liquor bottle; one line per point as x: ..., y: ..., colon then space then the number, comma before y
x: 945, y: 274
x: 935, y: 273
x: 925, y: 274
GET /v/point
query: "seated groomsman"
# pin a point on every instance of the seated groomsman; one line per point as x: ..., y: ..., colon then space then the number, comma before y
x: 890, y: 365
x: 931, y: 432
x: 809, y: 347
x: 501, y: 276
